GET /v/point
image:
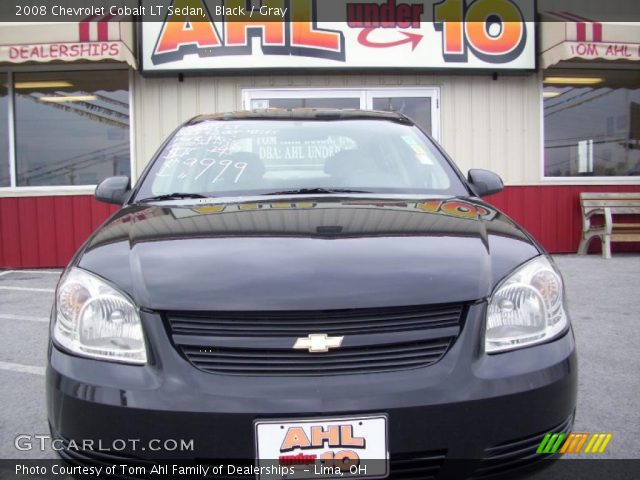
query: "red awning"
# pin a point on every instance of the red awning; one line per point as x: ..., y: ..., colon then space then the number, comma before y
x: 566, y: 36
x: 92, y: 40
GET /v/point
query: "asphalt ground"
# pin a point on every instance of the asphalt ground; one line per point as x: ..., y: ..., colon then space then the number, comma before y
x: 604, y: 302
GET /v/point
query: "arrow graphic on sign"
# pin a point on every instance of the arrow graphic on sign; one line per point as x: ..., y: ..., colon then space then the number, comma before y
x: 413, y: 38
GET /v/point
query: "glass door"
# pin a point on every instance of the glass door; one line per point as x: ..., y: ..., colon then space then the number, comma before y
x: 422, y: 105
x: 303, y: 98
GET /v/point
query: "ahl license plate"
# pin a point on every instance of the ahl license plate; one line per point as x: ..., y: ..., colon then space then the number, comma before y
x: 322, y: 448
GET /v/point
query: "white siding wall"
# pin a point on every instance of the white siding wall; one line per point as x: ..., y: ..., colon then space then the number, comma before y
x: 486, y: 123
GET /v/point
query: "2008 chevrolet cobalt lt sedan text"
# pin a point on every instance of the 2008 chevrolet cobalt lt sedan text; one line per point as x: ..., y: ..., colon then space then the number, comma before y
x: 309, y: 288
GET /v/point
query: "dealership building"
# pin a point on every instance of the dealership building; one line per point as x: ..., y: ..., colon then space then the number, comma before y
x: 552, y: 106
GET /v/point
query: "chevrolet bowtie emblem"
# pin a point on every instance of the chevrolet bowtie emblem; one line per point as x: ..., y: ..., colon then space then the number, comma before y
x: 318, y: 343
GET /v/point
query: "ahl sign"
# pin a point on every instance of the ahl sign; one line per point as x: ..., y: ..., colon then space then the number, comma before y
x: 293, y: 34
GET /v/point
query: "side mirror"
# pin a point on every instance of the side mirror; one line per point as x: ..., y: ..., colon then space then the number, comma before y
x: 113, y: 190
x: 484, y: 182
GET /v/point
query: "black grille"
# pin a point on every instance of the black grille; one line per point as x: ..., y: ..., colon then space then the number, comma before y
x: 369, y: 359
x: 261, y: 343
x: 300, y: 323
x: 518, y: 454
x: 416, y: 466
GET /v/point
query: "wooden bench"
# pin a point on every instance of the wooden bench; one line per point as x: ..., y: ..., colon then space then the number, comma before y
x: 608, y: 205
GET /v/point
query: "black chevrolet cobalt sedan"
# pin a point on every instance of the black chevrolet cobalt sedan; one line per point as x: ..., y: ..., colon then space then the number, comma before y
x: 309, y: 294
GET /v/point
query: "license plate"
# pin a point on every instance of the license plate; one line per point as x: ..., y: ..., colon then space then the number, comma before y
x: 322, y: 448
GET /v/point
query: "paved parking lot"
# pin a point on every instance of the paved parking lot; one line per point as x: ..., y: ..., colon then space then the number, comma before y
x: 604, y: 303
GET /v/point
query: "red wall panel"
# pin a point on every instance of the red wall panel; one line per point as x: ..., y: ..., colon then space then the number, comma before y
x: 47, y: 250
x: 552, y: 214
x: 10, y: 247
x: 27, y: 230
x: 63, y: 229
x: 38, y: 232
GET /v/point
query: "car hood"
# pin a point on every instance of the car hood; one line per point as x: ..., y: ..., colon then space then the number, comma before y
x: 322, y: 253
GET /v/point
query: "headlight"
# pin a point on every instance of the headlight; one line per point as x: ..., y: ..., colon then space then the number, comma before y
x: 95, y: 320
x: 526, y: 308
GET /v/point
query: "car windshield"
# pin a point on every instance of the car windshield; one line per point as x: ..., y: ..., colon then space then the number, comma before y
x: 261, y: 157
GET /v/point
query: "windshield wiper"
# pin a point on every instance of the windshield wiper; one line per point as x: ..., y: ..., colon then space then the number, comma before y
x: 317, y: 190
x: 173, y: 196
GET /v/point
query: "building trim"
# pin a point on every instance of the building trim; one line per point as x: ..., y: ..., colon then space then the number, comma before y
x: 12, y: 131
x: 133, y: 169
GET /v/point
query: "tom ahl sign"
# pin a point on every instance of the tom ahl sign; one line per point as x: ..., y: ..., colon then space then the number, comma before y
x: 292, y: 34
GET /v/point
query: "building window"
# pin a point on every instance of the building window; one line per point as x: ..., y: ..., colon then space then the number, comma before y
x: 71, y: 128
x: 592, y: 123
x: 420, y: 104
x: 5, y: 166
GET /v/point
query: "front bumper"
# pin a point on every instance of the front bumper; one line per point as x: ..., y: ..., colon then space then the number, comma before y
x: 467, y: 406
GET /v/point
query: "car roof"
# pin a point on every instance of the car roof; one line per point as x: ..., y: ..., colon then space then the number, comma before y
x: 304, y: 114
